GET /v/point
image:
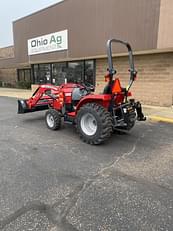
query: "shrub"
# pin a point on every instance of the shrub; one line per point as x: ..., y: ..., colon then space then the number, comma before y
x: 23, y: 85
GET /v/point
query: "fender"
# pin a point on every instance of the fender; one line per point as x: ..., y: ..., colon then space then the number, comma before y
x: 103, y: 99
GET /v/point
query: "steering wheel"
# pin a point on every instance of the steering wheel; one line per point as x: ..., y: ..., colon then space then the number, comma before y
x: 89, y: 87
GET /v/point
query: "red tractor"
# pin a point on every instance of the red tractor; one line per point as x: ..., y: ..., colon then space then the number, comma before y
x: 96, y: 116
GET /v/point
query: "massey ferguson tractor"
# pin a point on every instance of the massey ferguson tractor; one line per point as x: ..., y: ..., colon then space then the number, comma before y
x: 95, y: 116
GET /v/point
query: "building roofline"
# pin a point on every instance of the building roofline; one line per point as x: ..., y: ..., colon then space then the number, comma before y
x: 39, y: 11
x: 12, y: 46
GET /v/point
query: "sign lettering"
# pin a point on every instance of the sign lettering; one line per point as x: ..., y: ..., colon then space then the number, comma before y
x: 57, y: 41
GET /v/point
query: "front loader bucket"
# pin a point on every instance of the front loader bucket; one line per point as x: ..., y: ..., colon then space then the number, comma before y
x: 23, y: 107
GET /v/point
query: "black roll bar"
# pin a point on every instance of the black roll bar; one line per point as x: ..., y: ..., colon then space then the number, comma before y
x: 111, y: 69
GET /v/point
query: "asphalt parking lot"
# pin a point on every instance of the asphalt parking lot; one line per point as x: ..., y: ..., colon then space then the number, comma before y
x: 52, y: 181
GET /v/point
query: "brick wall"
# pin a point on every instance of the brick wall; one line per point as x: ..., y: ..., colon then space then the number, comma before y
x: 8, y: 77
x: 7, y: 52
x: 154, y: 85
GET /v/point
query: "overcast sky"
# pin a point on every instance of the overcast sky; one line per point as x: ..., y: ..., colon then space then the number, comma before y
x: 10, y: 10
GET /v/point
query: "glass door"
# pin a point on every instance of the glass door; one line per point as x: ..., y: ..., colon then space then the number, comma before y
x: 45, y: 73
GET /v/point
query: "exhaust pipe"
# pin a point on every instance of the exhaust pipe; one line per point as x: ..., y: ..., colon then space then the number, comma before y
x: 23, y: 107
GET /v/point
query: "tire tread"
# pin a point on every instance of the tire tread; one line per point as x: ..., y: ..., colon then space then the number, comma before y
x: 57, y: 119
x: 106, y: 122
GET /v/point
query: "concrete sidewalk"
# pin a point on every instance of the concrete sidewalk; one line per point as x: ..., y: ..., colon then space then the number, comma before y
x: 163, y: 114
x: 16, y: 93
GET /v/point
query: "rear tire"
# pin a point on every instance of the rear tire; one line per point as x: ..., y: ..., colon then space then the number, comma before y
x: 53, y: 119
x: 94, y: 123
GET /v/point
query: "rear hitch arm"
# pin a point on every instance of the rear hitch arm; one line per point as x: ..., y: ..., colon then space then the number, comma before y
x: 138, y: 107
x: 140, y: 115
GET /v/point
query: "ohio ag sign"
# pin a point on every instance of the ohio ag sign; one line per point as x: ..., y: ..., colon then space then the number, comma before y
x: 57, y: 41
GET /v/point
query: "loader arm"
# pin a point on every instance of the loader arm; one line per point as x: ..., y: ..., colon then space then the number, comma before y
x: 41, y: 99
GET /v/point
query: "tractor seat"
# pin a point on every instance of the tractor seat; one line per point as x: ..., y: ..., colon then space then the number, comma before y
x: 107, y: 89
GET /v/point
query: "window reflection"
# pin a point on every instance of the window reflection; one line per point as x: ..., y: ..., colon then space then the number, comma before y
x: 45, y: 73
x: 56, y: 73
x: 89, y: 72
x: 75, y: 72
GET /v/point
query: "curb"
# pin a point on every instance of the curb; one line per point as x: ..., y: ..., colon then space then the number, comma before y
x: 161, y: 119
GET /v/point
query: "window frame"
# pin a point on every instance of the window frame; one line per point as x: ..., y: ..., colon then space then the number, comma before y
x: 35, y: 80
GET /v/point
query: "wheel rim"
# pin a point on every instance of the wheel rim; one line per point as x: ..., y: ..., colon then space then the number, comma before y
x: 88, y: 124
x: 50, y: 120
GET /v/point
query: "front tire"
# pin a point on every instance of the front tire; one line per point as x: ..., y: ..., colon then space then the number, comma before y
x: 94, y: 123
x: 53, y: 119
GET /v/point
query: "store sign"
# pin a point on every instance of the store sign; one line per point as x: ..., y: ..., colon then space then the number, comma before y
x: 57, y: 41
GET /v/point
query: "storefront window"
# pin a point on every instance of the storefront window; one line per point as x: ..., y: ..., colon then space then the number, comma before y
x: 24, y: 75
x: 75, y: 72
x: 42, y: 73
x: 36, y: 73
x: 45, y: 73
x: 89, y: 72
x: 24, y: 78
x: 56, y: 73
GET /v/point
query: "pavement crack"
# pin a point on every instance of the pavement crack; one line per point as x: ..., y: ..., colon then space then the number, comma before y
x: 114, y: 163
x: 34, y: 205
x: 88, y: 182
x: 71, y: 203
x: 49, y: 211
